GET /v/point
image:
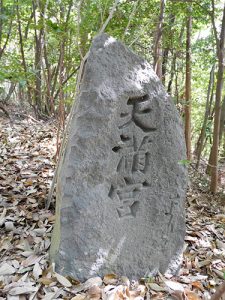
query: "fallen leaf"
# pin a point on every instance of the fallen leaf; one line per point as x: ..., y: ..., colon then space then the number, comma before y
x: 192, y: 295
x: 46, y: 281
x: 125, y: 280
x: 79, y: 297
x: 19, y: 287
x: 198, y: 285
x: 157, y: 288
x: 39, y: 231
x: 2, y: 217
x: 9, y: 226
x: 156, y: 296
x: 94, y: 293
x: 49, y: 296
x: 37, y: 271
x: 220, y: 244
x: 219, y: 273
x: 22, y: 290
x: 7, y: 269
x: 28, y: 182
x: 52, y: 218
x: 31, y: 260
x: 110, y: 279
x: 95, y: 281
x: 62, y: 280
x: 23, y: 270
x: 204, y: 263
x: 178, y: 295
x: 173, y: 285
x: 137, y: 295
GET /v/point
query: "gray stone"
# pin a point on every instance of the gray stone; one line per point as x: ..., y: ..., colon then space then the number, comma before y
x: 121, y: 186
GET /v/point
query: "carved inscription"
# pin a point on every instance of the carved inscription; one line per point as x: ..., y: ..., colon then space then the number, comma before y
x: 136, y: 134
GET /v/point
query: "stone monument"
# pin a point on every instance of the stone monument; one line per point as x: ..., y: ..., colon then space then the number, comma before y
x: 121, y: 184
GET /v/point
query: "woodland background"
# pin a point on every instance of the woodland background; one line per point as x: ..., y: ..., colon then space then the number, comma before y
x: 42, y: 46
x: 42, y: 43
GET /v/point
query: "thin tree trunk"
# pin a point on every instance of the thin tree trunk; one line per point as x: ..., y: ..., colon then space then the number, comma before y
x: 26, y: 31
x: 172, y: 72
x: 81, y: 38
x: 1, y: 23
x: 55, y: 74
x: 2, y: 49
x: 176, y: 92
x: 65, y: 81
x: 164, y: 64
x: 173, y: 63
x: 224, y: 143
x: 37, y: 62
x: 166, y: 51
x: 157, y: 52
x: 219, y: 87
x: 222, y: 120
x: 61, y: 109
x: 11, y: 90
x: 131, y: 16
x: 200, y: 143
x: 188, y: 88
x: 29, y: 94
x: 4, y: 110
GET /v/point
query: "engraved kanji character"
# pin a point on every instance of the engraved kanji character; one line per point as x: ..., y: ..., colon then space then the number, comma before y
x: 141, y: 109
x: 129, y: 208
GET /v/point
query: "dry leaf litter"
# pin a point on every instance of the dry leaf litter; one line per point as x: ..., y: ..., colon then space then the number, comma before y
x: 27, y: 150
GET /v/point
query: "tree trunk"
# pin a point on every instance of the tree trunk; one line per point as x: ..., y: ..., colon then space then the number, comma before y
x: 167, y: 49
x: 24, y: 64
x: 164, y: 65
x: 188, y: 88
x: 1, y: 23
x: 10, y: 92
x: 4, y: 110
x: 222, y: 120
x: 37, y: 62
x: 157, y: 52
x: 224, y: 143
x: 9, y: 30
x: 200, y: 143
x: 49, y: 100
x: 219, y: 87
x: 173, y: 63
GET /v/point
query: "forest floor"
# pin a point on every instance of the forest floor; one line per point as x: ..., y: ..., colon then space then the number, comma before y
x: 27, y: 151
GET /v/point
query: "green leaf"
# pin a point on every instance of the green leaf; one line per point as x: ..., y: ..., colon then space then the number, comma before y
x: 184, y: 162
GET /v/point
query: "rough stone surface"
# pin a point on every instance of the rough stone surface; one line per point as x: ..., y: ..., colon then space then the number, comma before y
x: 121, y: 186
